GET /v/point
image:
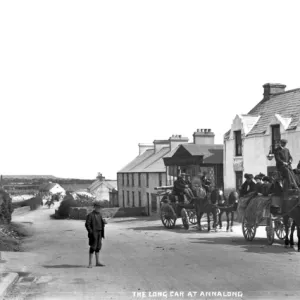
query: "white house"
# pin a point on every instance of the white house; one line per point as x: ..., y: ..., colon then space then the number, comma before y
x: 51, y: 188
x: 101, y: 187
x: 254, y: 135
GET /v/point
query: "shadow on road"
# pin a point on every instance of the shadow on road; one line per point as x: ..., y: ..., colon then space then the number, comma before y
x: 259, y: 245
x: 64, y: 266
x: 148, y: 219
x: 177, y: 229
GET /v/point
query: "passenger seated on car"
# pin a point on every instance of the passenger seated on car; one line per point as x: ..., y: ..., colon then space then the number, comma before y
x: 206, y: 183
x: 258, y: 186
x: 181, y: 188
x: 248, y: 186
x: 267, y: 186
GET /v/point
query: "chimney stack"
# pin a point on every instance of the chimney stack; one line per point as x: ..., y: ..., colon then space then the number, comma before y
x: 159, y: 144
x: 176, y: 140
x: 271, y: 89
x: 144, y: 147
x: 204, y: 137
x: 100, y: 177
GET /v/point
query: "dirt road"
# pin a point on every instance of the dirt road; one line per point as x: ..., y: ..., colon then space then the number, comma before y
x: 142, y: 256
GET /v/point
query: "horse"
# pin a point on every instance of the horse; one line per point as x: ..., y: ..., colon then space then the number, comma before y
x: 290, y: 207
x: 206, y: 204
x: 229, y: 206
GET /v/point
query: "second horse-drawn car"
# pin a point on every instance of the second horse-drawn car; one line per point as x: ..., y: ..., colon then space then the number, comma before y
x: 172, y: 209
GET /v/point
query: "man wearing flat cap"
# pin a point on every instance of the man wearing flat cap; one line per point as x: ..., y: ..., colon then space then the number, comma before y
x: 95, y: 226
x: 283, y: 162
x: 248, y: 186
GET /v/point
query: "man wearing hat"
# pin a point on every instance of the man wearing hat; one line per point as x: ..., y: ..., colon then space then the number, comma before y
x: 95, y: 227
x: 258, y: 186
x: 267, y: 187
x: 283, y: 161
x: 206, y: 183
x: 248, y: 186
x: 181, y: 188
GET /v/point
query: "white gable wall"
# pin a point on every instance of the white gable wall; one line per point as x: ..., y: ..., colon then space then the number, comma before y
x: 57, y: 189
x: 255, y: 150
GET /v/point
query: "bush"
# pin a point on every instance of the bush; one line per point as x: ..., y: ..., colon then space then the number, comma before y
x: 34, y: 203
x: 6, y: 208
x: 65, y: 206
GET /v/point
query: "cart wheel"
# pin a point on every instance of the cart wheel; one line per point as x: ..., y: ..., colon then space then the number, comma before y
x: 192, y: 217
x: 270, y: 231
x: 249, y: 230
x: 185, y: 218
x: 279, y: 229
x: 168, y: 216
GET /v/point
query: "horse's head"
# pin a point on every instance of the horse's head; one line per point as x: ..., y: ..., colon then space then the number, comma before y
x: 233, y: 198
x: 217, y: 196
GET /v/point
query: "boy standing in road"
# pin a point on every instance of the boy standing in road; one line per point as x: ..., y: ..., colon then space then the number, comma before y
x: 95, y: 227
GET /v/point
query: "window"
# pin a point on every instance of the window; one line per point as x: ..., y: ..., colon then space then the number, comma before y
x: 140, y: 199
x: 127, y: 179
x: 238, y: 179
x: 128, y: 200
x: 275, y: 136
x: 123, y: 199
x: 132, y: 179
x: 238, y: 143
x: 160, y: 179
x: 147, y: 179
x: 139, y: 178
x: 132, y: 199
x: 123, y: 179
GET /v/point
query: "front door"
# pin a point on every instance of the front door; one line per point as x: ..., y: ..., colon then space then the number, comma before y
x: 238, y: 179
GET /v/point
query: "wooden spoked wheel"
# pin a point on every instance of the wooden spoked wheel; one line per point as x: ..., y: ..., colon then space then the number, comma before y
x: 192, y: 217
x: 270, y: 231
x: 185, y: 218
x: 249, y: 230
x: 279, y: 229
x: 168, y: 216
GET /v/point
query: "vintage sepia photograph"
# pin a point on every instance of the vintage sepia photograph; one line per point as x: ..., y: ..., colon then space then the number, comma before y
x: 149, y: 150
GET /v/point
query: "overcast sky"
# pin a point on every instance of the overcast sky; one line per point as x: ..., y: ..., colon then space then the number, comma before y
x: 83, y: 82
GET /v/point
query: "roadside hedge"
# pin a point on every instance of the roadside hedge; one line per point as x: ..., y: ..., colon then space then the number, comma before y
x: 6, y: 208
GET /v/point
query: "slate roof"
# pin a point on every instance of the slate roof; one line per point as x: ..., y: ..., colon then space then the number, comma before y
x: 76, y: 187
x: 154, y: 163
x: 147, y: 162
x: 286, y: 104
x: 212, y: 154
x: 46, y: 187
x: 110, y: 184
x: 139, y: 159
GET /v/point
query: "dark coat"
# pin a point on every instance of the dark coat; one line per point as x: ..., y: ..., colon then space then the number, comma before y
x: 244, y: 188
x: 267, y: 189
x: 179, y: 185
x: 90, y: 225
x: 259, y: 187
x: 206, y: 183
x: 282, y: 155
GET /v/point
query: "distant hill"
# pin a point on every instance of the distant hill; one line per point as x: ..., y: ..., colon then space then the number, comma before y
x: 30, y: 177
